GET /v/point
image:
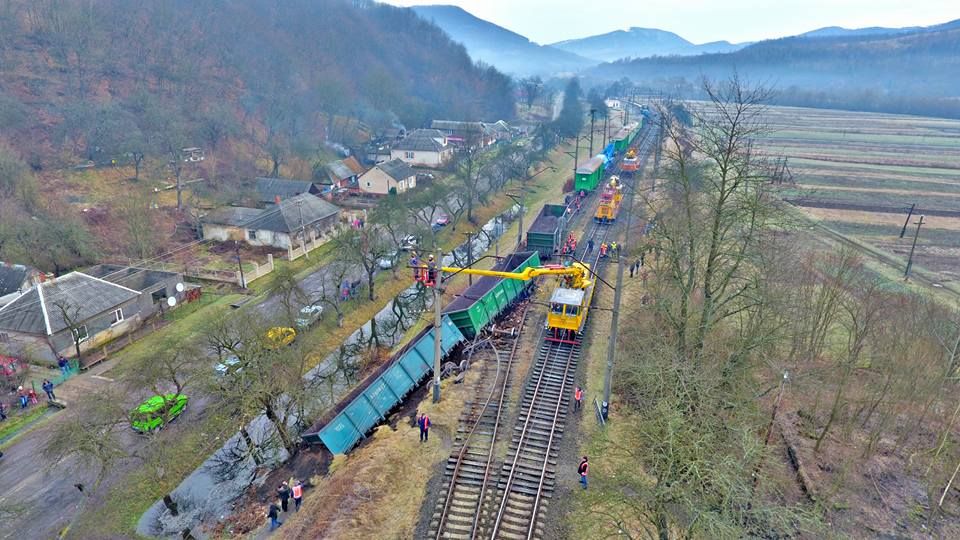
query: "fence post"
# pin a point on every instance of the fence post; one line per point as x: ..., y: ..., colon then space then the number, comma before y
x: 270, y: 261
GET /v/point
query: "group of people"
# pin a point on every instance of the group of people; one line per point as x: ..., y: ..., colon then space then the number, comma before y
x: 285, y: 492
x: 570, y: 246
x: 607, y: 249
x: 424, y: 273
x: 28, y: 396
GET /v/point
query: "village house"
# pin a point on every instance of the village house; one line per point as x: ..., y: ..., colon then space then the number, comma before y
x: 282, y: 226
x: 392, y: 175
x: 423, y: 148
x: 42, y: 322
x: 16, y: 279
x: 271, y: 190
x: 474, y: 134
x: 156, y: 287
x: 343, y: 173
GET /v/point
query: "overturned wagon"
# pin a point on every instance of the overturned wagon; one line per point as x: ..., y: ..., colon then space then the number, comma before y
x: 489, y: 297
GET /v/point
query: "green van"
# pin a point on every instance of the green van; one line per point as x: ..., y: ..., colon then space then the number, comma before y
x: 156, y: 411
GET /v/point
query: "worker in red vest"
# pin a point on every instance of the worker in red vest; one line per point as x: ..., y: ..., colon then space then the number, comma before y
x: 582, y: 470
x: 424, y: 423
x: 577, y: 398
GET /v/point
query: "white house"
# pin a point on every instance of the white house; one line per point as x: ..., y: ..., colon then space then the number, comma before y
x: 393, y: 174
x: 423, y: 148
x: 279, y: 226
x: 613, y: 104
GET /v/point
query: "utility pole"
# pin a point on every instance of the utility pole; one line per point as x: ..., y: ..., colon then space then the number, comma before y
x: 518, y: 199
x: 469, y: 236
x: 303, y: 231
x: 593, y: 114
x: 903, y: 231
x: 437, y: 328
x: 615, y: 318
x: 605, y: 131
x: 236, y: 249
x: 576, y: 155
x: 906, y: 274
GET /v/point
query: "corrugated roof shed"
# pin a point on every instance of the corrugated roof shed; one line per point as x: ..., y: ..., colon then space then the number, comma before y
x: 234, y: 216
x: 270, y: 188
x: 37, y: 311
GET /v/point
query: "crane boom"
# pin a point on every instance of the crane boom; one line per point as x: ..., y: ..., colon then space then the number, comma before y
x: 578, y: 271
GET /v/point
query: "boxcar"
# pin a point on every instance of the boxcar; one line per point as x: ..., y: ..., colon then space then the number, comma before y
x: 546, y: 234
x: 588, y: 175
x: 488, y: 297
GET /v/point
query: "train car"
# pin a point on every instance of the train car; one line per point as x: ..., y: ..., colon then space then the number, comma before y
x: 609, y: 152
x: 370, y: 402
x: 631, y: 162
x: 489, y: 296
x: 547, y: 232
x: 589, y: 174
x: 610, y: 199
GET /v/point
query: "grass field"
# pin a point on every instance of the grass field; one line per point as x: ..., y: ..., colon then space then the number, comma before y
x: 875, y: 166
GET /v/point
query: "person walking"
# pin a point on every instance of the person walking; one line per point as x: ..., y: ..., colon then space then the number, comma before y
x: 3, y: 411
x: 632, y: 268
x: 283, y: 493
x: 582, y: 470
x: 297, y: 492
x: 424, y: 423
x: 22, y: 396
x: 273, y: 512
x: 64, y: 366
x: 48, y: 388
x: 589, y: 245
x: 577, y: 398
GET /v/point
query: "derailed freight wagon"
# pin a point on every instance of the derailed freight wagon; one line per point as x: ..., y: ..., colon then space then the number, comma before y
x: 489, y: 297
x: 370, y: 402
x: 548, y: 231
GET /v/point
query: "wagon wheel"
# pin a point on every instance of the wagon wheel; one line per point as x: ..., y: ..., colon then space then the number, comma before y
x: 448, y: 369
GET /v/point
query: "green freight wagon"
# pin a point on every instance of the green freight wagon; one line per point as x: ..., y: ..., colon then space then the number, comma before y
x: 589, y: 174
x: 546, y: 234
x: 489, y: 296
x: 621, y: 141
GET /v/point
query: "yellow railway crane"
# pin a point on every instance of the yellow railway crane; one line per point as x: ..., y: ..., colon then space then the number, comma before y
x: 569, y: 302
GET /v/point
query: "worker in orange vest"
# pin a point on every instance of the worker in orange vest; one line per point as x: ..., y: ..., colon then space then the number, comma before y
x: 603, y: 250
x: 297, y: 492
x: 577, y: 398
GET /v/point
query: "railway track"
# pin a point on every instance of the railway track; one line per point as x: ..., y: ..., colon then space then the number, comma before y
x: 470, y: 467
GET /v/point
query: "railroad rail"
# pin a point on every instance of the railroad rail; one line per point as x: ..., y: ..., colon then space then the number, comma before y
x: 469, y: 468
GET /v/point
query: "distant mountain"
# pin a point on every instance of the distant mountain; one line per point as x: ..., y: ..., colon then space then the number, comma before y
x: 640, y: 43
x: 867, y: 69
x: 507, y: 51
x: 836, y: 31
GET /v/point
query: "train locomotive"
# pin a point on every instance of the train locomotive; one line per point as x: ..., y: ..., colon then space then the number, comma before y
x: 610, y: 199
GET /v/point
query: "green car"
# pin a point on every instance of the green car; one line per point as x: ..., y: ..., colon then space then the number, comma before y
x: 156, y: 411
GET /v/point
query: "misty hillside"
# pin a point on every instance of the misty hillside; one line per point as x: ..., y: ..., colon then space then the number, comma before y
x: 883, y: 67
x: 507, y: 51
x: 79, y: 78
x: 640, y: 43
x: 836, y: 31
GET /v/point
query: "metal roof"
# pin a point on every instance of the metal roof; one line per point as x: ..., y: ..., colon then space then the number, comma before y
x: 235, y: 216
x: 396, y: 169
x: 12, y: 277
x: 270, y: 188
x: 570, y: 297
x: 284, y: 217
x: 591, y: 166
x: 343, y: 169
x: 38, y: 311
x: 422, y: 140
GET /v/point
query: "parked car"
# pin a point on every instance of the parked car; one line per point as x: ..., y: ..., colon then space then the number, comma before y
x: 443, y: 220
x: 280, y: 336
x: 308, y: 316
x: 409, y: 242
x: 228, y: 365
x: 155, y: 412
x: 387, y: 261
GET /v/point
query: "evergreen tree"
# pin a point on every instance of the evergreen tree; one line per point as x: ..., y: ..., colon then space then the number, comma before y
x: 570, y: 121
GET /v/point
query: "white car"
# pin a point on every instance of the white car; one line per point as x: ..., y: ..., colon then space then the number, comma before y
x: 409, y: 242
x: 308, y: 316
x: 387, y: 261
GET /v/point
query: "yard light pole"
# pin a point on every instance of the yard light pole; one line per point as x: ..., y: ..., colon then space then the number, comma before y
x: 437, y: 328
x: 906, y: 273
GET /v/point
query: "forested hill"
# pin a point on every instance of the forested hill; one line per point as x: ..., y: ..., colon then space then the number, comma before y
x: 921, y: 67
x: 80, y: 77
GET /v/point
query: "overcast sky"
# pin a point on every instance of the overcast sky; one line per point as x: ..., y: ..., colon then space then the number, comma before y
x: 547, y: 21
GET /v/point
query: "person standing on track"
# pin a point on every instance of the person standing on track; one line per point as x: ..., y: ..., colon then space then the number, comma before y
x: 424, y: 423
x: 577, y: 398
x: 582, y: 470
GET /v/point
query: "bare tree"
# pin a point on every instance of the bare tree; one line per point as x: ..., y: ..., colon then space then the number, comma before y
x: 70, y: 313
x: 365, y: 247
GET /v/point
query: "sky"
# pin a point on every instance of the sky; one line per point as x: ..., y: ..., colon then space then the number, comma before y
x: 700, y: 21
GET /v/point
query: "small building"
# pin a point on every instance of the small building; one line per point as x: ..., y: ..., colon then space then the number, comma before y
x: 16, y: 279
x: 473, y: 134
x: 613, y: 104
x: 270, y: 190
x: 343, y: 173
x: 277, y: 226
x: 423, y: 148
x: 41, y: 323
x: 156, y: 287
x: 391, y: 175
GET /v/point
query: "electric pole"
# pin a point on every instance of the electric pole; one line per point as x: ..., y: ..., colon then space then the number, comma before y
x: 903, y: 231
x: 906, y: 274
x: 469, y: 236
x: 236, y: 249
x: 518, y: 199
x: 593, y: 114
x: 437, y: 328
x: 605, y: 131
